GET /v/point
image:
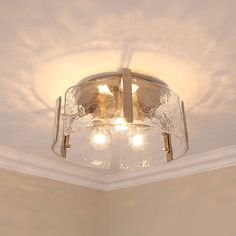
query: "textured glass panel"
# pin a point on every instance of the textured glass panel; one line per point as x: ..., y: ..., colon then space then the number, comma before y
x: 159, y: 107
x: 101, y: 138
x: 92, y: 103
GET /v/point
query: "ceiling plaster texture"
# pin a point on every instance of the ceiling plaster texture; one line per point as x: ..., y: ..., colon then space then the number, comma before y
x: 44, y: 45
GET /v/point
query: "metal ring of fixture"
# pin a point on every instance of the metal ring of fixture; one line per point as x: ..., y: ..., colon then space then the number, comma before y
x: 108, y: 104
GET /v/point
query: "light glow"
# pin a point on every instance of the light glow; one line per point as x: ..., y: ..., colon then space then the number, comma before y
x: 104, y: 89
x: 99, y: 139
x: 121, y: 124
x: 135, y: 87
x: 138, y: 141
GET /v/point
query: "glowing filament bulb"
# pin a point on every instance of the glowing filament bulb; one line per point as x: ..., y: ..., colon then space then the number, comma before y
x: 99, y: 139
x: 138, y: 141
x: 121, y: 124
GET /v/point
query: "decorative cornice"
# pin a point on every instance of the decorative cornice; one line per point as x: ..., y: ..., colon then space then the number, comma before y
x: 62, y: 170
x: 188, y: 165
x: 52, y: 168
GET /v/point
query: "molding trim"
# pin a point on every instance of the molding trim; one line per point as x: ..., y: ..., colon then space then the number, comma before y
x: 52, y: 168
x: 62, y: 170
x: 188, y: 165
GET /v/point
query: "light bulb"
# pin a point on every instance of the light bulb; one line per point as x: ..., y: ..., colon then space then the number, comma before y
x: 121, y: 127
x: 99, y: 139
x: 121, y: 124
x: 138, y: 141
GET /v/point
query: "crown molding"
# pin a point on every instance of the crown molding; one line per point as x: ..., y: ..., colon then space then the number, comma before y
x: 188, y: 165
x: 54, y: 168
x: 61, y: 170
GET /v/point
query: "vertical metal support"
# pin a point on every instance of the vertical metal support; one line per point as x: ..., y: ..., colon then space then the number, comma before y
x: 168, y: 147
x: 185, y: 123
x: 65, y: 138
x: 127, y: 90
x: 57, y: 118
x: 65, y: 145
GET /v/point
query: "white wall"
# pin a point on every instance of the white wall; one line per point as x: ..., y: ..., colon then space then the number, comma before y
x: 198, y: 205
x: 201, y: 204
x: 33, y: 206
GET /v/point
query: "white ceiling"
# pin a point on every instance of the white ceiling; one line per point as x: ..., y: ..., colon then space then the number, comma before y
x: 46, y: 46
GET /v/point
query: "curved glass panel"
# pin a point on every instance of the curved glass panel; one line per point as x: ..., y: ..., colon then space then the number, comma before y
x: 99, y: 134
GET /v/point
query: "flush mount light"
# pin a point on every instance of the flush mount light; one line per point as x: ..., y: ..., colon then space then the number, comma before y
x: 120, y: 121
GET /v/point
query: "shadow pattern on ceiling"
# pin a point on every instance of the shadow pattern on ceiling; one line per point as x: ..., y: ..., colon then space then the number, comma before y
x: 47, y: 46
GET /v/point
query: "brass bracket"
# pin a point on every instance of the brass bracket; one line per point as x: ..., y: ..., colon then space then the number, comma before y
x: 168, y: 147
x: 56, y: 124
x: 65, y: 145
x: 127, y: 90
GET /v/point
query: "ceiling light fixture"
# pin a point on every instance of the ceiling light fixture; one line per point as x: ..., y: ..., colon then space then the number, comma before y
x: 119, y: 121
